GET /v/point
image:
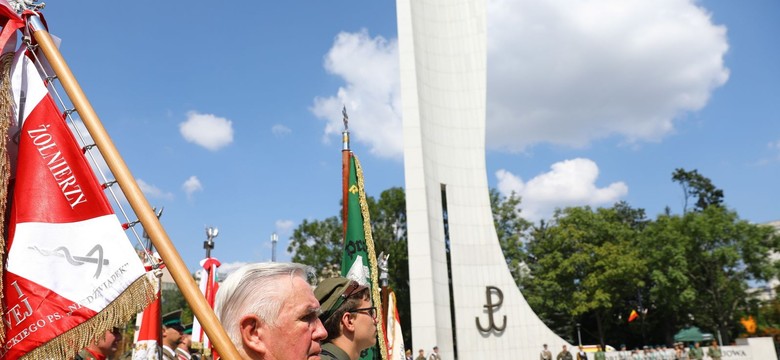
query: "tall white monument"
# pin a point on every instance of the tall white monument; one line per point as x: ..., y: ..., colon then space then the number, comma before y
x: 463, y: 298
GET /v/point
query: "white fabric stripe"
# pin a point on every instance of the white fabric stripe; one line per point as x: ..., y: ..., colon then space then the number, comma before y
x: 25, y: 80
x: 38, y: 254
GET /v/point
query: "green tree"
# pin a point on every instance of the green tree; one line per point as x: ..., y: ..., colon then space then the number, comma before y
x: 318, y: 243
x: 724, y: 254
x: 584, y: 264
x: 695, y: 185
x: 511, y: 230
x: 669, y: 291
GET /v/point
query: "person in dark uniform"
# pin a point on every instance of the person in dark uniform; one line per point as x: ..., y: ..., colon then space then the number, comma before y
x: 172, y: 332
x: 348, y: 315
x: 103, y: 348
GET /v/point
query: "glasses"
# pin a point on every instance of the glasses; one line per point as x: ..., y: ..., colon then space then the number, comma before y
x: 370, y: 311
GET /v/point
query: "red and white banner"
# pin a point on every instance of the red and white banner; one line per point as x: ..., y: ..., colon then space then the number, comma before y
x: 147, y: 345
x: 208, y: 286
x: 71, y: 272
x: 395, y: 337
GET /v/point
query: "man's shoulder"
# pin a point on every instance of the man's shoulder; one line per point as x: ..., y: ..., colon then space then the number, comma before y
x: 333, y: 352
x: 168, y: 353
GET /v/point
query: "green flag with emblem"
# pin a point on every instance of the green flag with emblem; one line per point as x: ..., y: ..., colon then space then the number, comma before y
x: 359, y: 261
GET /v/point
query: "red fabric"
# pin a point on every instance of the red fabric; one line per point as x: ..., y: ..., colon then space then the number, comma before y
x: 10, y: 21
x: 39, y: 197
x: 151, y: 328
x: 42, y: 197
x: 97, y: 356
x: 24, y: 330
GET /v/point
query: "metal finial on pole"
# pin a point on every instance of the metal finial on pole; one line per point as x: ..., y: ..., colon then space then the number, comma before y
x: 21, y: 5
x: 211, y: 233
x: 145, y: 234
x: 383, y: 269
x: 345, y: 118
x: 345, y: 133
x: 274, y: 239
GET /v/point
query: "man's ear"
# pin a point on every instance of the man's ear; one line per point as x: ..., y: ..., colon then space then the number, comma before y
x: 252, y: 330
x: 347, y: 322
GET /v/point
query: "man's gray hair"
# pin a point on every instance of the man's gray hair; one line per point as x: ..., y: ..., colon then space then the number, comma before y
x: 255, y: 289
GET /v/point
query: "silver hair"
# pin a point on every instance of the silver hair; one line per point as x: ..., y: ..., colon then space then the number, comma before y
x: 254, y: 289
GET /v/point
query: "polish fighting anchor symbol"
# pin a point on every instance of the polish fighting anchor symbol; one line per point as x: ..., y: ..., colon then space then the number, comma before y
x: 491, y: 308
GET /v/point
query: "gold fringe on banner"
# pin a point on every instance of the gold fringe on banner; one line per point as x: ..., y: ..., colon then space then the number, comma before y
x: 375, y: 294
x: 134, y: 299
x: 6, y: 108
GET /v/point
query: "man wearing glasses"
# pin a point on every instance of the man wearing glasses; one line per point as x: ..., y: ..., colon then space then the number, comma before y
x: 349, y: 317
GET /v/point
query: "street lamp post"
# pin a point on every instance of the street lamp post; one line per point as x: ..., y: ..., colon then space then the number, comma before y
x: 579, y: 335
x: 274, y: 239
x: 211, y: 233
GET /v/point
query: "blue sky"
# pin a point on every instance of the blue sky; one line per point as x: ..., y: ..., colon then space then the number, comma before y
x: 229, y: 116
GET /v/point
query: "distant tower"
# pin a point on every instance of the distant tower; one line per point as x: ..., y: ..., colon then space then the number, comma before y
x: 458, y: 275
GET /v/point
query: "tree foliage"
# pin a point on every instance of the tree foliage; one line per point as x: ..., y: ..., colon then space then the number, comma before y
x: 585, y: 263
x: 511, y: 230
x: 593, y: 266
x: 695, y: 185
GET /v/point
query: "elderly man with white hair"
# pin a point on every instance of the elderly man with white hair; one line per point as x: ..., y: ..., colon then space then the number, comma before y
x: 269, y: 312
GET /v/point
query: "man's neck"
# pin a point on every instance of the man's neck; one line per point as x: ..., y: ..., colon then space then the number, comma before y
x: 347, y: 346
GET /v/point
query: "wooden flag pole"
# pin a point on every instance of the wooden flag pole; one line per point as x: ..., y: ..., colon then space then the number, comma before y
x: 135, y: 197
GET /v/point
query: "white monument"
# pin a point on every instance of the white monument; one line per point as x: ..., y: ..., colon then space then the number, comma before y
x: 463, y: 298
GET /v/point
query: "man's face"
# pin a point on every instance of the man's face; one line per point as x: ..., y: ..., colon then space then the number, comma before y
x: 109, y: 342
x: 365, y: 325
x: 186, y: 340
x: 171, y: 337
x: 298, y: 331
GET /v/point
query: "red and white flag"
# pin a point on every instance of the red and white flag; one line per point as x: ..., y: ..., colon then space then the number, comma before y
x: 148, y: 338
x: 208, y: 286
x: 147, y: 345
x: 71, y: 272
x: 395, y: 337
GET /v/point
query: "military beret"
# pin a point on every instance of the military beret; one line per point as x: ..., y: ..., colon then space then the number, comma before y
x: 331, y: 293
x: 173, y: 320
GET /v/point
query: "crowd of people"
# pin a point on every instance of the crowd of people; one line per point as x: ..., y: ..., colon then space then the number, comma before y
x: 678, y: 352
x: 271, y: 312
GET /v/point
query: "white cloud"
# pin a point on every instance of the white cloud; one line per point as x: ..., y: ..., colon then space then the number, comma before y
x: 569, y: 73
x: 774, y: 154
x: 284, y: 227
x: 207, y: 130
x: 280, y: 130
x: 568, y: 183
x: 153, y: 191
x: 369, y: 66
x: 191, y: 185
x: 559, y: 72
